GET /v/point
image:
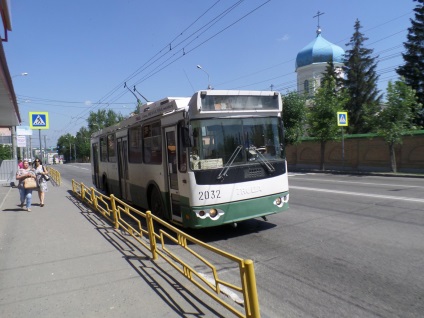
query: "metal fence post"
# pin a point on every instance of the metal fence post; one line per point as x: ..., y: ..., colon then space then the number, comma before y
x: 94, y: 197
x: 114, y: 212
x: 82, y: 191
x: 252, y: 308
x: 151, y: 231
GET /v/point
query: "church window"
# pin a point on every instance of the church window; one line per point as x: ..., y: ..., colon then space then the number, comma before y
x: 306, y: 86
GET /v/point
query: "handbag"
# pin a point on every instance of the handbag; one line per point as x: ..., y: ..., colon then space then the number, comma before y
x: 30, y: 184
x: 46, y: 177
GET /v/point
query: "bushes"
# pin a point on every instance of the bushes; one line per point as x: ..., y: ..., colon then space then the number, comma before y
x: 5, y: 152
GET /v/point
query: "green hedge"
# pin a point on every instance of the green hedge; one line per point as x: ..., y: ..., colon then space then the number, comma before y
x: 5, y: 152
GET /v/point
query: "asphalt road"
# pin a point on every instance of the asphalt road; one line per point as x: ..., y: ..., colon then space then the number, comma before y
x: 349, y: 246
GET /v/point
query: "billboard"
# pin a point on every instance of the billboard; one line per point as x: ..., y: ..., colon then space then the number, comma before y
x: 23, y: 131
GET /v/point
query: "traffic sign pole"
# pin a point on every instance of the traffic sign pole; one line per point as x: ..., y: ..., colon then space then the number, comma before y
x: 41, y: 153
x: 342, y: 149
x: 342, y: 121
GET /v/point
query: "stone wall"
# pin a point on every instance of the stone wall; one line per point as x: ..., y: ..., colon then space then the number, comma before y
x: 361, y: 153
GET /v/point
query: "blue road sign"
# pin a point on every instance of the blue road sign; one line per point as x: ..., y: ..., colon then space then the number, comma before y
x: 341, y: 118
x: 39, y: 120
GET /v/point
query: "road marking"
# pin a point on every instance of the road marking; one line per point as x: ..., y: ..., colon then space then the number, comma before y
x: 364, y: 183
x: 79, y: 167
x: 360, y: 194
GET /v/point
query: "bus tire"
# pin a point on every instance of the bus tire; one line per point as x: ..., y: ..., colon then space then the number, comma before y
x: 157, y: 206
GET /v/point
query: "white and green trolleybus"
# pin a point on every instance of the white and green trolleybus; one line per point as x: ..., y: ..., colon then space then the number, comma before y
x: 215, y: 158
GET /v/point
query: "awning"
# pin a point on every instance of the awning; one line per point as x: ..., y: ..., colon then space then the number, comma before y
x: 9, y: 109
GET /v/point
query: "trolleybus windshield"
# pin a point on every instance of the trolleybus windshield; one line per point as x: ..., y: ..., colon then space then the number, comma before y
x: 216, y: 142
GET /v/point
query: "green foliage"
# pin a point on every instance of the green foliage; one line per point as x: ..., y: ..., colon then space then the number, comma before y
x: 64, y: 146
x: 332, y: 72
x: 5, y: 152
x: 322, y: 117
x: 360, y: 83
x: 103, y: 118
x: 294, y: 117
x: 413, y: 69
x: 397, y: 117
x: 82, y: 142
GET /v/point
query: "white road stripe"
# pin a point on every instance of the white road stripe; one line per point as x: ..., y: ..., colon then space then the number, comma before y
x: 359, y: 194
x: 364, y: 183
x: 78, y: 167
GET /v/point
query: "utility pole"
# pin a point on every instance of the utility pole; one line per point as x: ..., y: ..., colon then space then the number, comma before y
x: 45, y: 150
x: 30, y: 148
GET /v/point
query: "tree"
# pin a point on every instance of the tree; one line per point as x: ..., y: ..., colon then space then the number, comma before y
x: 82, y: 143
x: 294, y: 117
x: 360, y: 83
x: 332, y: 72
x: 64, y: 146
x: 103, y: 118
x: 322, y: 116
x: 413, y: 69
x: 397, y: 117
x: 5, y: 152
x: 70, y: 146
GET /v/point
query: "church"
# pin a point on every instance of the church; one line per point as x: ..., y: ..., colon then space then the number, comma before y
x: 312, y: 60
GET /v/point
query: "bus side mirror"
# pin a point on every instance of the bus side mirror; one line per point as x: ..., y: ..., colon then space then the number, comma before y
x: 185, y: 134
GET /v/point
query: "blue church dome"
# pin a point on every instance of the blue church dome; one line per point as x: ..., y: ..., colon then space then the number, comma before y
x: 319, y: 51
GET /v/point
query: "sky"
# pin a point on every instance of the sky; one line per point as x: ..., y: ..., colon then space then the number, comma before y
x: 79, y: 54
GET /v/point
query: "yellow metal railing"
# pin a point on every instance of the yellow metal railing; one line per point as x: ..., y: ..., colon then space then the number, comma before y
x: 55, y: 175
x: 183, y: 252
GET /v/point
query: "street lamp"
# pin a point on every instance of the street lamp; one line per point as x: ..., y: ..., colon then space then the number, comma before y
x: 209, y: 83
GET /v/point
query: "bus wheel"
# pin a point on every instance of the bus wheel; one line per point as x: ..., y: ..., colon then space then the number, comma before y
x: 156, y: 204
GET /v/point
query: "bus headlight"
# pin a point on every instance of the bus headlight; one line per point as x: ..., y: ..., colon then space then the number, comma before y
x: 281, y: 200
x: 212, y: 213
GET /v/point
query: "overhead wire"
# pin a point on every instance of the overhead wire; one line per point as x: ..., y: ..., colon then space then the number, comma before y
x: 138, y: 70
x: 176, y: 55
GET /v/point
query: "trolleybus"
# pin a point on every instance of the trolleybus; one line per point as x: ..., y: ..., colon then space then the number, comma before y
x: 215, y: 158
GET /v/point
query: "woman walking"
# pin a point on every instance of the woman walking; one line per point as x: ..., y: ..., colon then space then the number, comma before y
x: 41, y: 180
x: 25, y: 194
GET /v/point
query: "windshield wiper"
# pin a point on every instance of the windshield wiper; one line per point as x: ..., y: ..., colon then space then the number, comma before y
x: 265, y: 161
x: 228, y: 164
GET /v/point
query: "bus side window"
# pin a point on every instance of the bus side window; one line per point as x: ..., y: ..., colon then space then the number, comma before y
x: 111, y: 148
x: 103, y: 149
x: 183, y: 142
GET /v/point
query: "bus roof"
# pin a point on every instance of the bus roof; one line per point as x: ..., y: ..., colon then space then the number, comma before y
x: 149, y: 110
x: 172, y: 104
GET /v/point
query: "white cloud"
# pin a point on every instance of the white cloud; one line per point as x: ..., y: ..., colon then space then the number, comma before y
x: 285, y: 37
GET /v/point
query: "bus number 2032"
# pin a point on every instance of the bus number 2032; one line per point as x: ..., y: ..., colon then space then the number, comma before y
x: 212, y: 194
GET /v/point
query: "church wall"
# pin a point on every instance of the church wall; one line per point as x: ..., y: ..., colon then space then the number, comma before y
x: 313, y: 73
x: 360, y: 154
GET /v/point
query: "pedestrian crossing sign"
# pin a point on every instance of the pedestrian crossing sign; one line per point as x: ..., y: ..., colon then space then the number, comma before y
x: 341, y: 118
x: 39, y: 120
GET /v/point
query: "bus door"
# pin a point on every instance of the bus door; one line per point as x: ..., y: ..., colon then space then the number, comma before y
x: 171, y: 160
x: 95, y: 160
x: 122, y: 144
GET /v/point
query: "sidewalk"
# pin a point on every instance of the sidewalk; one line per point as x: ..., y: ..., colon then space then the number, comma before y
x: 62, y: 260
